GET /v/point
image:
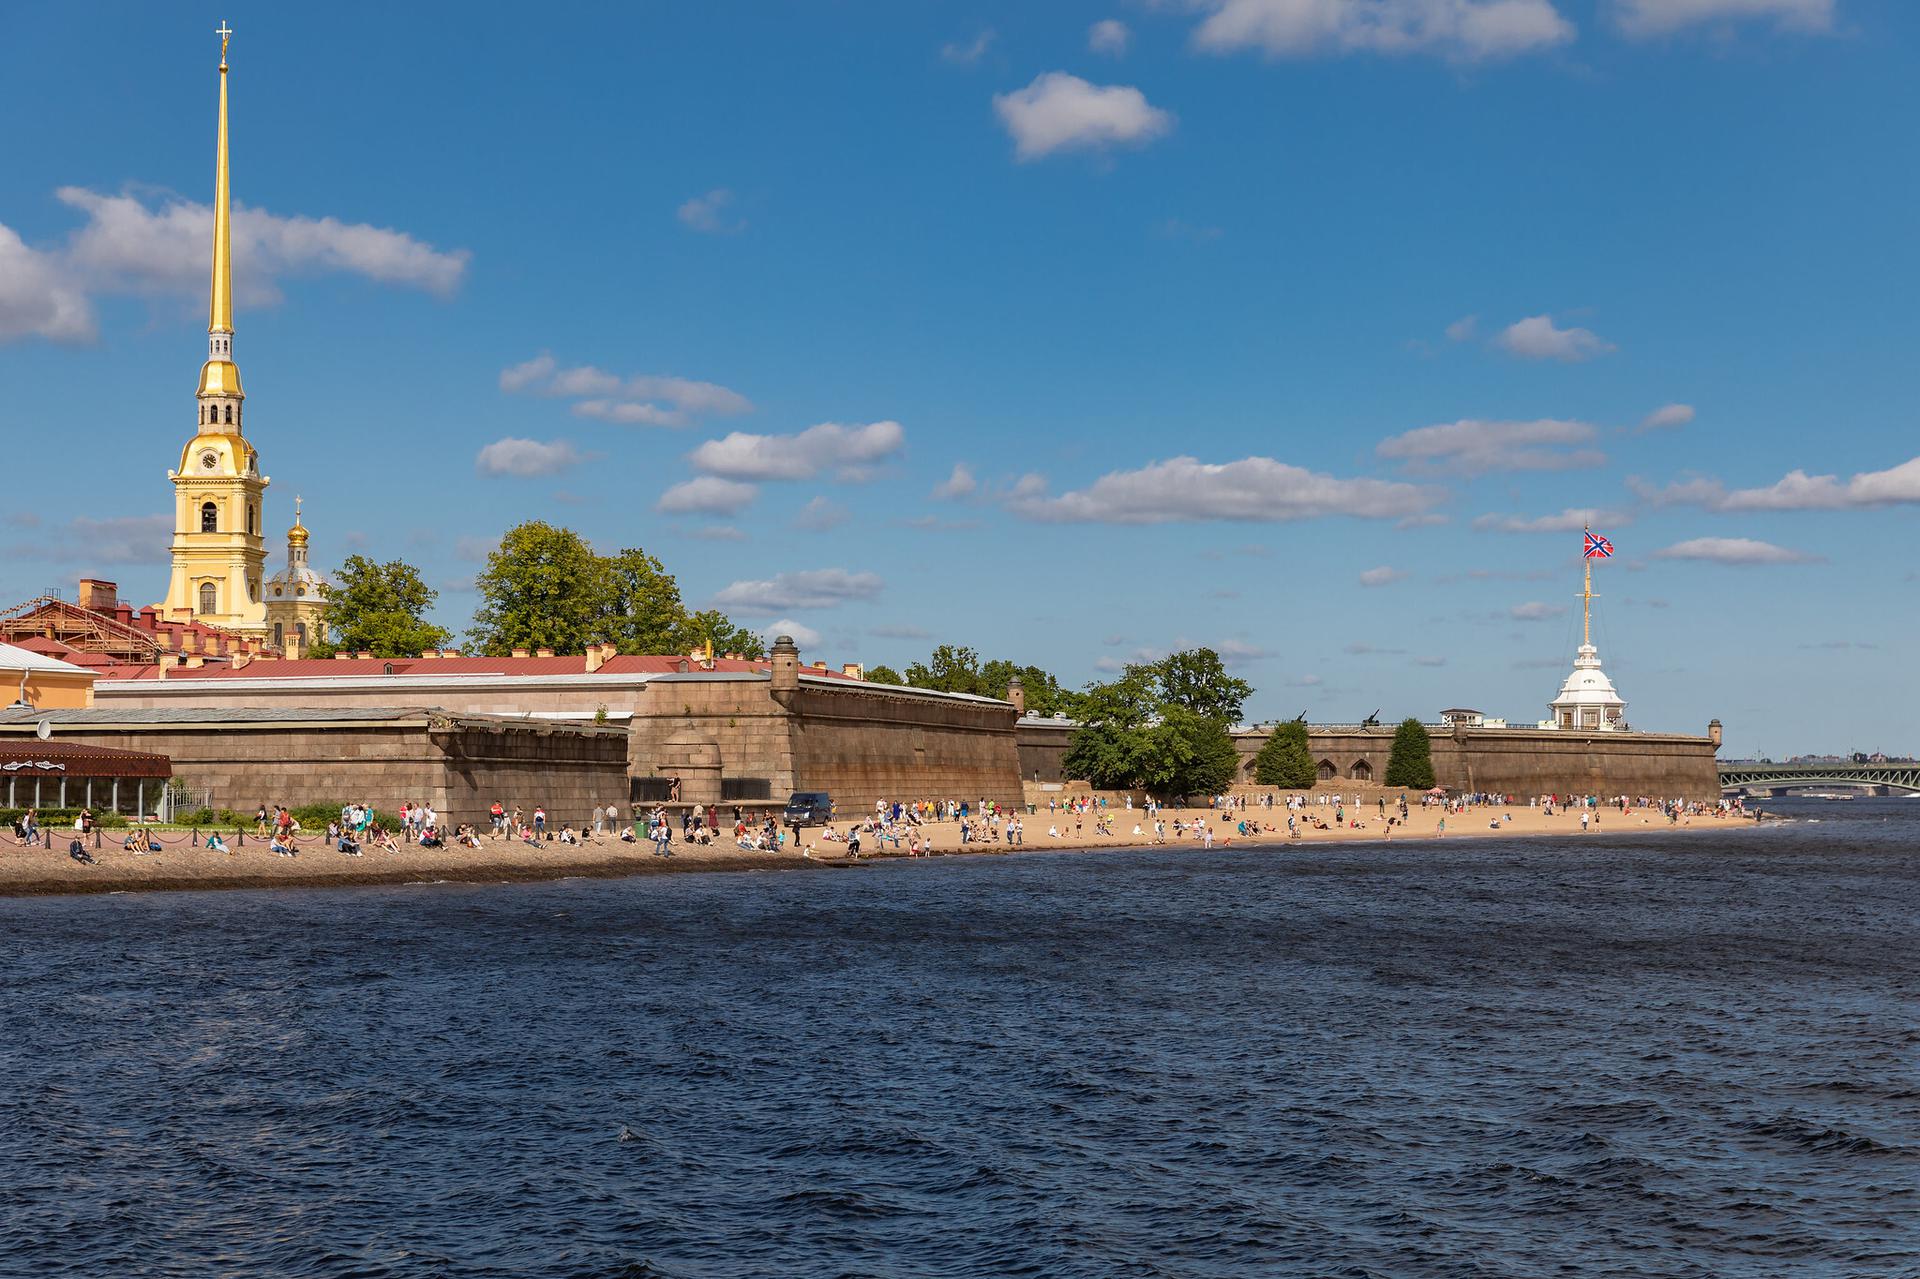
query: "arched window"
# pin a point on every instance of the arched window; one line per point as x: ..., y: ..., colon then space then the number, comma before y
x: 1327, y: 770
x: 300, y: 629
x: 249, y: 519
x: 207, y: 597
x: 229, y: 415
x: 209, y: 518
x: 279, y: 640
x: 1361, y: 771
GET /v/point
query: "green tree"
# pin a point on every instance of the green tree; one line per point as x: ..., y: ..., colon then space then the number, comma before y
x: 1043, y: 692
x: 543, y: 587
x: 1286, y: 759
x: 951, y: 669
x: 1410, y: 762
x: 1133, y: 733
x: 884, y: 675
x: 711, y: 624
x: 378, y: 608
x: 1198, y: 680
x: 643, y: 609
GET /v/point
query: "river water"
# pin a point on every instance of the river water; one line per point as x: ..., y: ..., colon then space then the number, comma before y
x: 1667, y: 1055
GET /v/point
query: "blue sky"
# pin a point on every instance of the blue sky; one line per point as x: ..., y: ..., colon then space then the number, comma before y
x: 1295, y: 327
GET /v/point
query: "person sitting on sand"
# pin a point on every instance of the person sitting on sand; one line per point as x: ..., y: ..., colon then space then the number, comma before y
x: 141, y: 842
x: 381, y: 838
x: 282, y: 844
x: 568, y: 835
x: 215, y: 844
x: 431, y: 838
x: 527, y: 836
x: 628, y: 837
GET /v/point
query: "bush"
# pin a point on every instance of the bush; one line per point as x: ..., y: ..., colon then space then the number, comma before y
x: 51, y: 818
x: 227, y: 817
x: 314, y: 817
x: 195, y: 817
x: 1410, y: 762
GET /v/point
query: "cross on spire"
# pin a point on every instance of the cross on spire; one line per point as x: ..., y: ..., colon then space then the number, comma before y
x: 225, y: 33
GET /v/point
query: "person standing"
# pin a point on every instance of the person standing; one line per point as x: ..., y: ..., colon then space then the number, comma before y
x: 539, y: 821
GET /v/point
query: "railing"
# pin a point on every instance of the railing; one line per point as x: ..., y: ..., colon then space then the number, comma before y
x: 1895, y: 776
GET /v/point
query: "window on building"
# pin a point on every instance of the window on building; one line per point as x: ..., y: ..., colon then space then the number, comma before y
x: 279, y: 640
x: 1327, y: 770
x: 229, y: 415
x: 208, y: 600
x: 209, y: 518
x: 300, y: 631
x: 1361, y: 771
x: 249, y: 519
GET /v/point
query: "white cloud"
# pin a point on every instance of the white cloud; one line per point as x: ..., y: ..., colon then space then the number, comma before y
x: 900, y: 632
x: 1537, y: 338
x: 708, y: 213
x: 803, y: 636
x: 119, y: 539
x: 1463, y: 329
x: 1668, y: 417
x: 1733, y: 550
x: 958, y: 484
x: 1430, y: 661
x: 37, y: 296
x: 810, y: 588
x: 970, y: 52
x: 1796, y: 491
x: 1238, y: 652
x: 1645, y: 19
x: 820, y: 515
x: 1382, y: 576
x: 526, y: 458
x: 1535, y: 611
x: 1571, y: 520
x: 644, y: 399
x: 1462, y: 30
x: 1109, y: 36
x: 848, y: 451
x: 707, y: 495
x: 1061, y: 112
x: 1183, y: 488
x: 128, y: 246
x: 1474, y: 446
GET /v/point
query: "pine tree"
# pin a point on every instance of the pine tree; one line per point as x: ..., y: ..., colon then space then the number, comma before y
x: 1286, y: 759
x: 1410, y: 763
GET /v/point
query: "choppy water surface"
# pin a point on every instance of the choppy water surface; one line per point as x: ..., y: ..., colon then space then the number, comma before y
x: 1664, y: 1056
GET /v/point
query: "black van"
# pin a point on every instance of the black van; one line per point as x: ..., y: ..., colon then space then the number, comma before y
x: 809, y: 808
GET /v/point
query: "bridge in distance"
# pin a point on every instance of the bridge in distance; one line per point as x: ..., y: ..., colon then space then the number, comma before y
x: 1772, y: 778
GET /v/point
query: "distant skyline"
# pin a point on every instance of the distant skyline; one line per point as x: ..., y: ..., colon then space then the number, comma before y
x: 1073, y: 333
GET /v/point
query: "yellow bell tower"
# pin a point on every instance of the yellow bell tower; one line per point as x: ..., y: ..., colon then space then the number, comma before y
x: 219, y: 550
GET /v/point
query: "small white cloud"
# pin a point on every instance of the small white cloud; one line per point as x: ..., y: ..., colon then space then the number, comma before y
x: 848, y: 451
x: 1650, y: 19
x: 1186, y: 489
x: 820, y: 515
x: 900, y: 632
x: 966, y: 53
x: 1538, y: 338
x: 1239, y: 652
x: 1463, y: 329
x: 958, y: 484
x: 1795, y: 491
x: 708, y: 214
x: 808, y: 589
x: 1571, y: 520
x: 707, y: 495
x: 1061, y: 112
x: 527, y: 458
x: 1382, y: 576
x: 1473, y: 446
x: 1668, y: 417
x: 1733, y: 550
x: 1460, y: 30
x: 1429, y: 661
x: 1536, y: 611
x: 644, y: 399
x: 1110, y: 37
x: 803, y: 636
x: 117, y: 539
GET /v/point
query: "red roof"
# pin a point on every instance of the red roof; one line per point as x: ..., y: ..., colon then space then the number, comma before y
x: 323, y: 668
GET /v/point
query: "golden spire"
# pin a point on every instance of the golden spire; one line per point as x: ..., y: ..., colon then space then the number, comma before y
x: 219, y: 375
x: 1586, y: 597
x: 220, y: 313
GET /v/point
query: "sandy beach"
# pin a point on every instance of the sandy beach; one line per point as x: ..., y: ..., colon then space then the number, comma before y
x: 183, y: 865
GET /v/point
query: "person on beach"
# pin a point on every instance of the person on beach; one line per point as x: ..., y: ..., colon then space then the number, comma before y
x: 539, y: 820
x: 663, y: 838
x: 215, y: 844
x: 1585, y: 817
x: 260, y: 820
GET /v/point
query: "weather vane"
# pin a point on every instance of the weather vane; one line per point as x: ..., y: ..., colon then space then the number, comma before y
x: 225, y: 33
